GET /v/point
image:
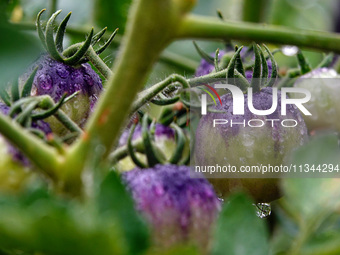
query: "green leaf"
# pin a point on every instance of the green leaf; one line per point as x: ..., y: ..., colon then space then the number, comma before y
x: 111, y: 13
x: 323, y: 244
x: 114, y: 200
x: 239, y: 231
x: 177, y: 250
x: 41, y: 222
x: 311, y: 198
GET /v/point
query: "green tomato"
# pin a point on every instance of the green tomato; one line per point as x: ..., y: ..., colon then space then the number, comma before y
x: 324, y: 86
x: 243, y: 146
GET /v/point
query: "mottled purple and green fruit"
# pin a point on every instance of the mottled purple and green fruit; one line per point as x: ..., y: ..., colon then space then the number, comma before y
x: 15, y: 168
x: 179, y: 208
x: 324, y: 86
x: 242, y: 145
x: 54, y: 78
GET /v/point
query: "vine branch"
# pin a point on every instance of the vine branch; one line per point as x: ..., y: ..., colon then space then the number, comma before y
x: 200, y: 27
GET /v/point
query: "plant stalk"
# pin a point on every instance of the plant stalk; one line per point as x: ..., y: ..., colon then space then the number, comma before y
x: 200, y: 27
x: 143, y: 42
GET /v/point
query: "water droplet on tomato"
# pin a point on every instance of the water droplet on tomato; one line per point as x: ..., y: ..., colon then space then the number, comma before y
x: 89, y: 80
x: 247, y: 140
x: 62, y: 71
x: 77, y: 87
x: 45, y: 81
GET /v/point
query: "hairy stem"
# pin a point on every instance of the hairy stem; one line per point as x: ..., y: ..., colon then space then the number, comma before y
x: 212, y: 28
x: 143, y: 42
x: 92, y: 56
x: 146, y: 95
x: 98, y: 63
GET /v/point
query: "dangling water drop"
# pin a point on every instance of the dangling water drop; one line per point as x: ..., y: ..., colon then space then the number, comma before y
x: 289, y: 50
x: 263, y: 210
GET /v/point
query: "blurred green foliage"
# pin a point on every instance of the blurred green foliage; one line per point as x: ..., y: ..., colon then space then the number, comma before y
x: 17, y: 50
x: 40, y: 221
x: 111, y: 13
x: 239, y: 231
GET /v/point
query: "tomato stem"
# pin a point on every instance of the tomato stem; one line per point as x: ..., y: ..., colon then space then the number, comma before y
x: 200, y: 27
x: 144, y: 40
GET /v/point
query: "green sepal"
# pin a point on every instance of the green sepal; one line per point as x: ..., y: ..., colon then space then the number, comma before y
x: 131, y: 150
x: 73, y: 60
x: 40, y: 30
x: 15, y: 90
x: 292, y: 73
x: 303, y: 63
x: 238, y: 63
x: 166, y: 120
x: 256, y: 81
x: 50, y: 43
x: 217, y: 68
x: 149, y: 150
x: 51, y: 111
x: 168, y: 115
x: 23, y: 117
x: 203, y: 54
x: 326, y: 61
x: 26, y: 91
x: 5, y: 96
x: 225, y: 60
x: 16, y: 106
x: 108, y: 42
x: 61, y: 32
x: 274, y: 72
x: 232, y: 63
x: 96, y: 38
x: 241, y: 81
x: 37, y: 132
x: 176, y: 157
x: 264, y: 77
